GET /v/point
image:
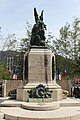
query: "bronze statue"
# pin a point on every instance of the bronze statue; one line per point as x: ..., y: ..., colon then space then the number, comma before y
x: 38, y: 30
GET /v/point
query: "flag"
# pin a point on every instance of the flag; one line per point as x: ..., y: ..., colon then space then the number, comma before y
x: 14, y: 76
x: 9, y: 70
x: 59, y: 74
x: 65, y: 71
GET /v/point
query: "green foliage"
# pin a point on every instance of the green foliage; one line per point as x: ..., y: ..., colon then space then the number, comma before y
x: 66, y: 47
x: 23, y: 48
x: 20, y: 66
x: 10, y: 42
x: 4, y: 74
x: 68, y: 42
x: 12, y: 93
x: 25, y: 42
x: 71, y: 67
x: 65, y: 92
x: 24, y: 45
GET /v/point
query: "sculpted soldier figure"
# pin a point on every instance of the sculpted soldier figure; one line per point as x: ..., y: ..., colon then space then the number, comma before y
x: 38, y: 30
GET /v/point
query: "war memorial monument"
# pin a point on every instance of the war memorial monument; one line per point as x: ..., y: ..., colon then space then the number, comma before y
x: 40, y: 68
x: 39, y: 97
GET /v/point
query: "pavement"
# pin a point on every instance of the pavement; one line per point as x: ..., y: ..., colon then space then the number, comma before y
x: 11, y: 109
x: 2, y: 99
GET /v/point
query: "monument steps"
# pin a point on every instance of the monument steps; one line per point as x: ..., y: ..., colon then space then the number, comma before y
x: 1, y: 116
x: 63, y: 113
x: 69, y: 110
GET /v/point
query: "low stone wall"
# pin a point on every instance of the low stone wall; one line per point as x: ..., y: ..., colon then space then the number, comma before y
x: 11, y: 85
x: 65, y: 84
x: 14, y: 84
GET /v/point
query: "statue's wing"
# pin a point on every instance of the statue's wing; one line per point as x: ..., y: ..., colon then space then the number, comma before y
x: 41, y: 17
x: 35, y: 15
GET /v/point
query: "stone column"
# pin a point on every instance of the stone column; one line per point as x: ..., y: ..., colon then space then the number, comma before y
x: 39, y: 71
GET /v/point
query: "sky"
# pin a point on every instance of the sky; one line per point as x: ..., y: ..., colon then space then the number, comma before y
x: 15, y: 13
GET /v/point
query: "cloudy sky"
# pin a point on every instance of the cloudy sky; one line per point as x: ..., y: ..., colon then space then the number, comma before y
x: 15, y: 13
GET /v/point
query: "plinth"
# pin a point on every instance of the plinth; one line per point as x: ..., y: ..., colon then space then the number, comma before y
x: 39, y: 69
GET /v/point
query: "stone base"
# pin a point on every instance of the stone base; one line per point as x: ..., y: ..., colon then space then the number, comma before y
x: 38, y: 69
x: 23, y: 95
x: 41, y: 106
x: 40, y: 100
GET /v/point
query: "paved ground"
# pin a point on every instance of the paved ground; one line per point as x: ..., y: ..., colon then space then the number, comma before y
x: 69, y: 107
x: 1, y: 100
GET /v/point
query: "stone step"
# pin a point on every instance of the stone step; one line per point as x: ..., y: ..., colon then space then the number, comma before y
x: 69, y: 110
x: 63, y: 103
x: 63, y: 113
x: 41, y: 106
x: 2, y: 119
x: 1, y: 115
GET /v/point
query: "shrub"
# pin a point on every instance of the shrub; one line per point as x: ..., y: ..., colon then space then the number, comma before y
x: 12, y: 94
x: 65, y: 92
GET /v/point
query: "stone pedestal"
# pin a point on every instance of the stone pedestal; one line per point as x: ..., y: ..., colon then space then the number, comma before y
x: 39, y: 71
